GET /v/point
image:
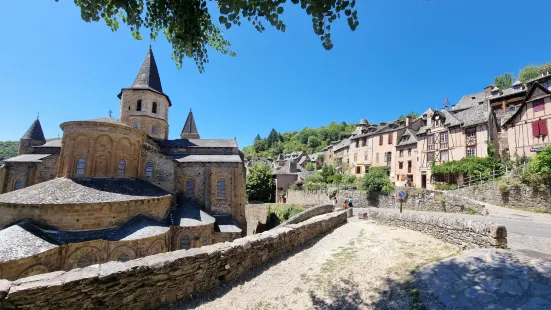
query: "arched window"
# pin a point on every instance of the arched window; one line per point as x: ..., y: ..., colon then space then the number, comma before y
x: 154, y: 107
x: 204, y: 239
x: 123, y: 257
x: 81, y: 165
x: 121, y: 167
x: 190, y: 188
x: 136, y: 125
x: 84, y: 261
x: 18, y: 184
x: 185, y: 243
x: 221, y: 188
x: 149, y: 169
x: 139, y: 105
x: 154, y: 130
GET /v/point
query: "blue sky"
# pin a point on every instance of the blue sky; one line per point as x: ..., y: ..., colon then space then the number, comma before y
x: 405, y: 55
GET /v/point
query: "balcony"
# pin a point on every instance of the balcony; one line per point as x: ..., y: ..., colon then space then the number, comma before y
x: 431, y: 147
x: 444, y: 145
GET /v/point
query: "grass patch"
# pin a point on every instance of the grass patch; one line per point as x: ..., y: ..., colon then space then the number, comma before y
x: 471, y: 211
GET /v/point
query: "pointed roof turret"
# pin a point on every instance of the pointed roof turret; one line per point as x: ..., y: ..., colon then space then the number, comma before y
x: 190, y: 129
x: 148, y: 77
x: 35, y: 132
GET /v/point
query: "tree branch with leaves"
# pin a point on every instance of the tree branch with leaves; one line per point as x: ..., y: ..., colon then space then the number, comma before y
x: 190, y: 27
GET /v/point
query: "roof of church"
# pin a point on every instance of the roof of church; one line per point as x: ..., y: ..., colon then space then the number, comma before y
x: 20, y: 240
x: 187, y: 214
x: 148, y: 76
x: 138, y: 227
x: 209, y: 159
x: 27, y: 158
x: 177, y: 143
x: 51, y: 143
x: 190, y: 127
x: 107, y: 119
x: 84, y: 190
x: 35, y: 132
x: 225, y: 223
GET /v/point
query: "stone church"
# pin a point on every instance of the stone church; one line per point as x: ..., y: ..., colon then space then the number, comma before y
x: 115, y: 190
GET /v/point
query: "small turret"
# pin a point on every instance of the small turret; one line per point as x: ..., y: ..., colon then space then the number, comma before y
x: 33, y: 137
x: 190, y: 129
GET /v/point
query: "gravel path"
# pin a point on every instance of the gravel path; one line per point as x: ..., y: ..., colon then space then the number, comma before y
x: 360, y: 265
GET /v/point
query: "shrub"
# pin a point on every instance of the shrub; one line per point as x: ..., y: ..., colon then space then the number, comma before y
x: 440, y: 198
x: 503, y: 187
x: 376, y: 180
x: 278, y: 214
x: 442, y: 186
x: 538, y: 169
x: 310, y: 166
x: 335, y: 178
x: 348, y: 179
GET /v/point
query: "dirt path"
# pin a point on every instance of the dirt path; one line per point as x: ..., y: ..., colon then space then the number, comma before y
x: 359, y: 265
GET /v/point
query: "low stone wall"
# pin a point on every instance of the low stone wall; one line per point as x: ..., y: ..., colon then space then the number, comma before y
x: 458, y: 231
x: 419, y: 200
x: 521, y: 196
x: 154, y: 280
x: 309, y: 213
x: 307, y: 198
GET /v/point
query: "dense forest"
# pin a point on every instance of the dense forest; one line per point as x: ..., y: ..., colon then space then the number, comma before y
x: 308, y: 139
x: 8, y: 149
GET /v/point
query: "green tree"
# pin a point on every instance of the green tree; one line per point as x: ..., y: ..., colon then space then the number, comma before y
x: 260, y: 146
x: 313, y: 142
x: 310, y: 166
x: 327, y: 171
x: 272, y: 138
x: 260, y: 184
x: 411, y: 114
x: 193, y: 25
x: 376, y: 181
x: 528, y: 73
x: 257, y: 138
x: 504, y: 81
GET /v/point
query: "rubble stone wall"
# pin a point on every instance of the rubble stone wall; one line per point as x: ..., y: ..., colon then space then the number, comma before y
x: 154, y: 280
x: 461, y: 232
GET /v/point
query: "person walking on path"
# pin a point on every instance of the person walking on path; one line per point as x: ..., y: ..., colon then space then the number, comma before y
x: 350, y: 202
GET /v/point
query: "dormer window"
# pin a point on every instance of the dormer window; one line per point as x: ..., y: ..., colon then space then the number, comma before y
x: 139, y: 105
x: 545, y: 73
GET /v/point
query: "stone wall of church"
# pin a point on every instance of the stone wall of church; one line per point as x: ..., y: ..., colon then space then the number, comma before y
x: 145, y: 119
x: 102, y: 146
x: 72, y: 255
x: 163, y: 169
x: 209, y: 189
x: 17, y: 171
x: 46, y: 170
x: 204, y: 150
x: 85, y: 216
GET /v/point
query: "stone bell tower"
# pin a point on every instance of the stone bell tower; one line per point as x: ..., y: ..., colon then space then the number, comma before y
x: 144, y: 106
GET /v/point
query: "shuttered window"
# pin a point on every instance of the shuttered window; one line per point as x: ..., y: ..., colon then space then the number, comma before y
x: 389, y: 138
x: 543, y: 127
x: 190, y: 188
x: 381, y: 140
x: 535, y: 129
x: 221, y: 188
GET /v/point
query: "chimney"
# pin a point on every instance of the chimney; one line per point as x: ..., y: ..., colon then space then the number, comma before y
x: 409, y: 119
x: 488, y: 90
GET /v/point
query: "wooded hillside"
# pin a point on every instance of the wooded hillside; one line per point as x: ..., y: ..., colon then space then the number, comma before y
x: 8, y: 149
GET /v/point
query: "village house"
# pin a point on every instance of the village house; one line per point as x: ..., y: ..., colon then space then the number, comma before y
x: 528, y: 128
x: 288, y: 172
x: 360, y: 148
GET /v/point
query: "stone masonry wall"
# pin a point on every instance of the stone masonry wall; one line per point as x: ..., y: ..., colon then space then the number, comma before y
x: 85, y: 216
x: 307, y: 198
x: 458, y: 231
x: 521, y: 196
x: 309, y: 213
x: 154, y: 280
x: 257, y: 215
x: 426, y: 200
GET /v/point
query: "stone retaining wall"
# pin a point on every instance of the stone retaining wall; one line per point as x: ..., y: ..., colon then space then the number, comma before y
x: 256, y: 215
x: 309, y: 213
x: 154, y: 280
x: 308, y: 198
x: 419, y: 200
x: 521, y: 196
x: 458, y: 231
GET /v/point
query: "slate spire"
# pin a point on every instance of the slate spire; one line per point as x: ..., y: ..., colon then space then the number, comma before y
x: 190, y: 129
x: 148, y: 76
x: 35, y: 132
